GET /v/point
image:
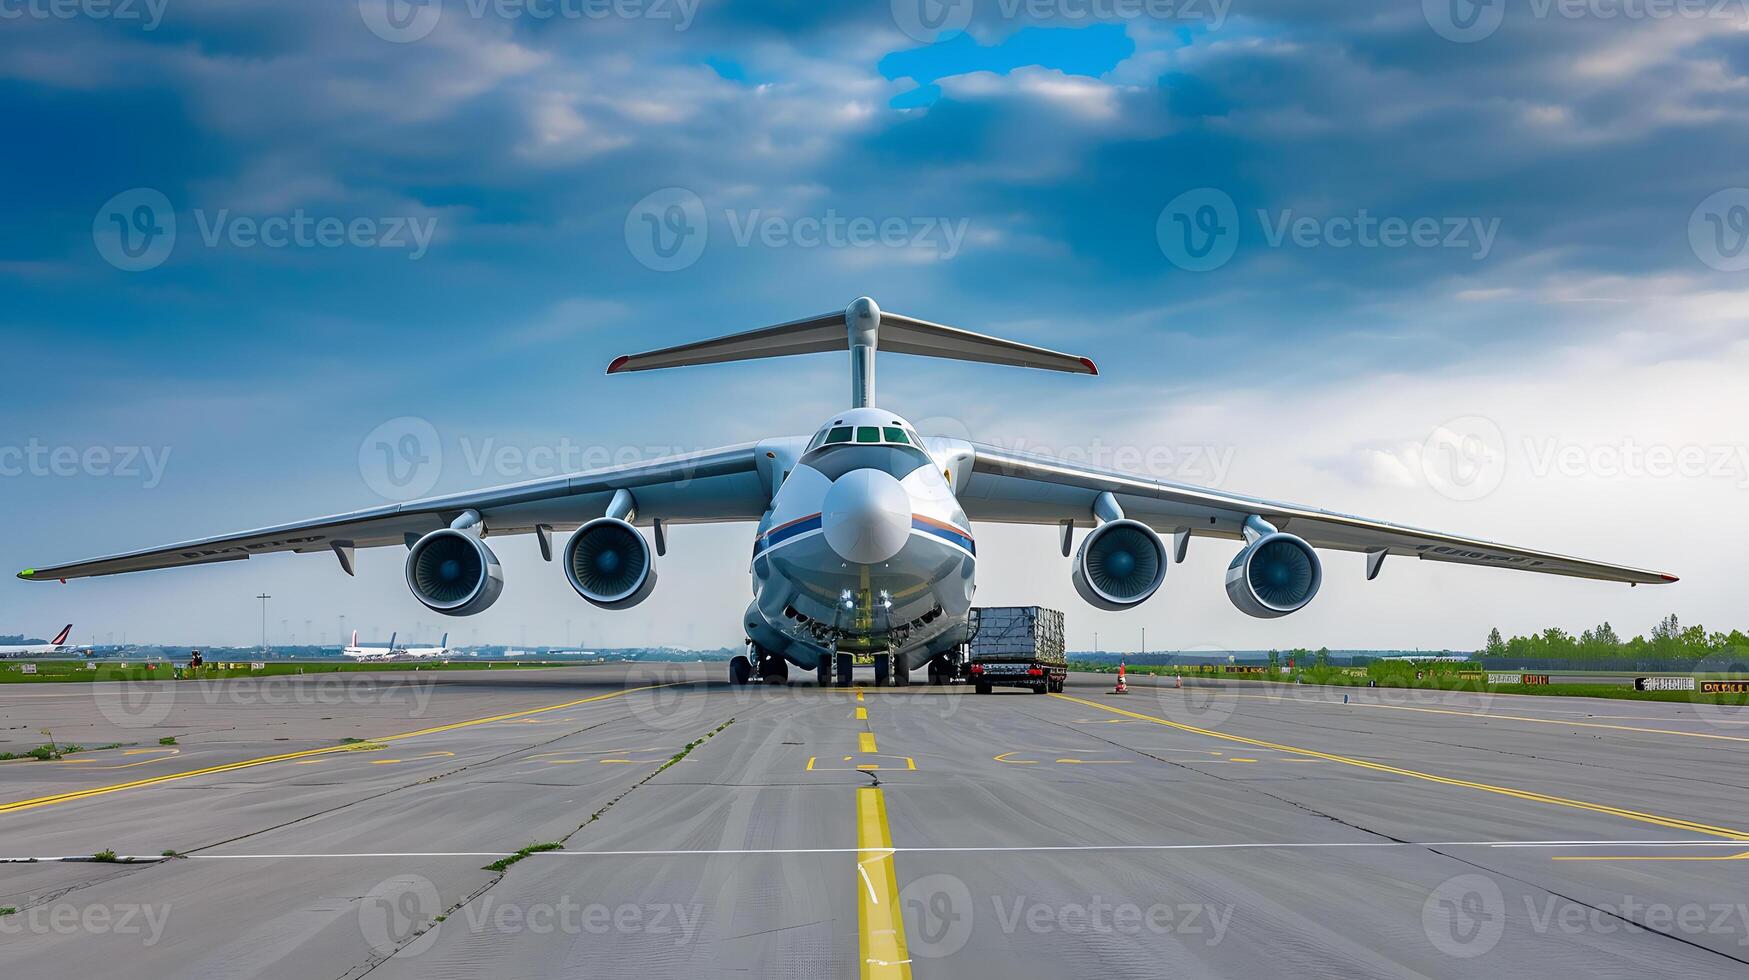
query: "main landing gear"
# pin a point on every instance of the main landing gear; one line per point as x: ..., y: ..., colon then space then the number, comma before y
x: 758, y: 664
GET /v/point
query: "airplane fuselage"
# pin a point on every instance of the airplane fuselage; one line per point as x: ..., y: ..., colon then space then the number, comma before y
x: 865, y: 549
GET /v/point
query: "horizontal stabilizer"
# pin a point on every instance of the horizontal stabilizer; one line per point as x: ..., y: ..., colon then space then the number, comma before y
x: 834, y: 332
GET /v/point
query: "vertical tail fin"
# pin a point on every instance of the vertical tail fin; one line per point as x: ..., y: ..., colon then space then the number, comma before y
x: 61, y: 637
x: 443, y: 644
x: 355, y: 639
x: 392, y: 640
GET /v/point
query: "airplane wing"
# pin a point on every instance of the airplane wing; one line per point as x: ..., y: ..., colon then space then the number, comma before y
x: 730, y: 484
x: 1023, y: 488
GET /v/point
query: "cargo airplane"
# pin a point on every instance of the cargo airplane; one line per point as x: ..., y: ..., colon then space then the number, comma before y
x: 864, y: 544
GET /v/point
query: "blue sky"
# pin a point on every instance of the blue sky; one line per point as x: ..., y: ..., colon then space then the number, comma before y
x: 1537, y: 228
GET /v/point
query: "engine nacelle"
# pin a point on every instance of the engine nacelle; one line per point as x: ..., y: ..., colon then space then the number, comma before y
x: 454, y: 573
x: 1275, y: 575
x: 1120, y: 564
x: 609, y: 564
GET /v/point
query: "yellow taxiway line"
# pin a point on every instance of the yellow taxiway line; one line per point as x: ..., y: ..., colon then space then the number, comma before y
x: 865, y: 742
x: 1651, y: 818
x: 42, y: 801
x: 878, y: 920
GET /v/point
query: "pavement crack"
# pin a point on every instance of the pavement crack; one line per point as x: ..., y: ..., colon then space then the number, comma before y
x: 501, y: 874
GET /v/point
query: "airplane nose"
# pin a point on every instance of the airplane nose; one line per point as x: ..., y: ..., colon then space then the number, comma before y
x: 866, y: 516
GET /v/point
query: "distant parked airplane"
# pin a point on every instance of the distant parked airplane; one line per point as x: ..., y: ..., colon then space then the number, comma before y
x: 57, y: 645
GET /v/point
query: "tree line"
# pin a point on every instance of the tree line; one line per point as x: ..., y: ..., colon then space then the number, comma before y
x: 1668, y: 639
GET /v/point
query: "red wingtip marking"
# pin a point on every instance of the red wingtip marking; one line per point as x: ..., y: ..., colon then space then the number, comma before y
x: 1669, y: 578
x: 1092, y: 368
x: 618, y: 363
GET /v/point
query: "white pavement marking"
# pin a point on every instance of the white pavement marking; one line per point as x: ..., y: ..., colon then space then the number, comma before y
x: 1019, y: 848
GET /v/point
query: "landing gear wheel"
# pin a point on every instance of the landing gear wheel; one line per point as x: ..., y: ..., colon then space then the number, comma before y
x: 1042, y: 688
x: 901, y: 673
x: 982, y: 688
x: 740, y: 670
x: 844, y: 670
x: 823, y: 672
x: 883, y: 669
x: 775, y: 670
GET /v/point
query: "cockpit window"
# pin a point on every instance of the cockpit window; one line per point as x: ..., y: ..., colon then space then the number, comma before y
x: 838, y: 435
x: 897, y: 435
x: 868, y: 434
x: 896, y: 461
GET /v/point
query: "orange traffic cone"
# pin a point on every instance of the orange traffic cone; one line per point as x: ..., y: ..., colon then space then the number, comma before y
x: 1122, y: 687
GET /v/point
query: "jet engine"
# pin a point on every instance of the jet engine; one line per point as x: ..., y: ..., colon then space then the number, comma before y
x: 609, y: 564
x: 454, y: 573
x: 1275, y: 575
x: 1120, y: 564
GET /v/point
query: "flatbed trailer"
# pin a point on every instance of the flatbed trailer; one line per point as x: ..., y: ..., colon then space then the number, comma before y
x: 1016, y: 646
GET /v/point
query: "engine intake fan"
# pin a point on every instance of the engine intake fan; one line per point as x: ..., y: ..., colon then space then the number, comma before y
x: 454, y: 573
x: 1275, y: 575
x: 609, y: 564
x: 1121, y: 564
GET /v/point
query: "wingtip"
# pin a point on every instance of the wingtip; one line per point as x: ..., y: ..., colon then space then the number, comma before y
x: 27, y: 573
x: 618, y: 363
x: 1668, y: 577
x: 1092, y: 368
